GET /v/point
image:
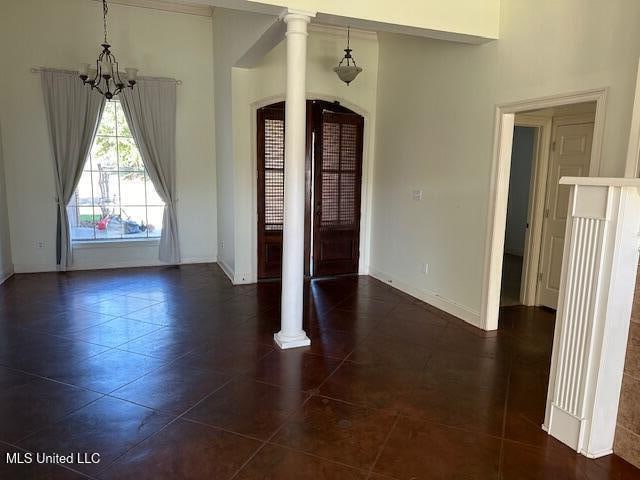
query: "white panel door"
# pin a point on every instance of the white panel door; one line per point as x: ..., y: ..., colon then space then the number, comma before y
x: 570, y: 157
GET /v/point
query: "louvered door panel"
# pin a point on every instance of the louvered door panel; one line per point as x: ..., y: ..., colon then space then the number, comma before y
x: 270, y: 191
x: 338, y: 179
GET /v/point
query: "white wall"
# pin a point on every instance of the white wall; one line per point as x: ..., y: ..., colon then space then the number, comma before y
x: 62, y: 34
x: 519, y: 189
x: 436, y: 108
x: 6, y: 263
x: 265, y: 84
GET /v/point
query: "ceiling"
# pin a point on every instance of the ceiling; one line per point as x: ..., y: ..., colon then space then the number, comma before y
x: 176, y: 6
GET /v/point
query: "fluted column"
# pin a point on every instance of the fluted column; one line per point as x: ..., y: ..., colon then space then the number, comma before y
x: 594, y: 309
x: 291, y: 333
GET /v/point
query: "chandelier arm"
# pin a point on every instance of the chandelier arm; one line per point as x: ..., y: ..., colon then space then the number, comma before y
x: 96, y: 79
x: 116, y: 73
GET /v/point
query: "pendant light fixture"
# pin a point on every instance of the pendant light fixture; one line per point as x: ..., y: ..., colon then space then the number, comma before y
x: 347, y: 69
x: 106, y: 77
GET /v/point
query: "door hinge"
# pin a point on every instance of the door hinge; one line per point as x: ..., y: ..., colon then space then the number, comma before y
x: 540, y: 277
x: 553, y: 146
x: 546, y: 213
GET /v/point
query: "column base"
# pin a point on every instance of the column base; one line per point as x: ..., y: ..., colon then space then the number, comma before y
x: 285, y: 342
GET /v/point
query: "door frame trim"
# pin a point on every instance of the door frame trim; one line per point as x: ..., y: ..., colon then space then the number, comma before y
x: 504, y: 122
x: 632, y: 167
x: 367, y: 176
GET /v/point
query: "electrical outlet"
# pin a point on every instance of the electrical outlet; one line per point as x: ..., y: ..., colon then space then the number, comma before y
x: 425, y: 268
x: 40, y: 244
x: 417, y: 195
x: 221, y: 245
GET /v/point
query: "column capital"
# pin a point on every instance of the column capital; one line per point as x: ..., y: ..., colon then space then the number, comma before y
x: 291, y: 15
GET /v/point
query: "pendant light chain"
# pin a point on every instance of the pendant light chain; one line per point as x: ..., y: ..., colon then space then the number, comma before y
x: 348, y: 50
x: 105, y: 10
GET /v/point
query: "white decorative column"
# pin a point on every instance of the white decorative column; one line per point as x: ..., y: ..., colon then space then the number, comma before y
x: 592, y: 324
x: 291, y: 333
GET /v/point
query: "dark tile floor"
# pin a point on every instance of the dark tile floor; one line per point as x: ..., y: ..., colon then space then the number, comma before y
x: 171, y: 373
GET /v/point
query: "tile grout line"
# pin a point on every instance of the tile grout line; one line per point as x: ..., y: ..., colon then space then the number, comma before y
x: 164, y: 427
x: 58, y: 420
x: 353, y: 349
x: 383, y: 446
x: 504, y: 419
x: 318, y: 457
x: 276, y: 431
x: 181, y: 416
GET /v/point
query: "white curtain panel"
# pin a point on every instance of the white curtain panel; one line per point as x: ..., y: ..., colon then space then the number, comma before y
x: 73, y: 111
x: 150, y: 108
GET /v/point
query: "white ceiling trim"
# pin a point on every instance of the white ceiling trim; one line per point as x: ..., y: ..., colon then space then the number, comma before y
x: 174, y: 6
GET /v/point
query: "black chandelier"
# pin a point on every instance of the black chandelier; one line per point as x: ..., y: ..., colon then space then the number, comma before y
x: 106, y: 77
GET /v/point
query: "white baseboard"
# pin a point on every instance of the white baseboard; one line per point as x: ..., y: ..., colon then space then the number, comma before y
x: 5, y: 275
x: 601, y: 453
x: 228, y: 271
x: 245, y: 278
x: 203, y: 259
x: 33, y: 268
x: 130, y: 264
x: 432, y: 298
x: 26, y: 268
x: 236, y: 277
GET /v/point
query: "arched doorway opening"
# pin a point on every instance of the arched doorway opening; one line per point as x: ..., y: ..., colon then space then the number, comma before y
x: 333, y: 189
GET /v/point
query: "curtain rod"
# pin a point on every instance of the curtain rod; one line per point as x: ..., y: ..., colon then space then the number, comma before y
x: 44, y: 69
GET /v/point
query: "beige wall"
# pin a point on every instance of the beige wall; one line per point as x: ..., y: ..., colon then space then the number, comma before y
x: 627, y: 442
x: 470, y: 17
x: 233, y: 33
x: 62, y: 34
x: 435, y: 110
x: 6, y: 262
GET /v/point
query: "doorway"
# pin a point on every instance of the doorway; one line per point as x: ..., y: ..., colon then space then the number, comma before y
x: 547, y: 145
x: 333, y: 168
x: 522, y: 160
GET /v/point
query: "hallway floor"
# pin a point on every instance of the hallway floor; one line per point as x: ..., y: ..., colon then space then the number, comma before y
x: 511, y: 280
x: 171, y: 373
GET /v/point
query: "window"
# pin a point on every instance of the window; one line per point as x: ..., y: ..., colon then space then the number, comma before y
x: 115, y: 198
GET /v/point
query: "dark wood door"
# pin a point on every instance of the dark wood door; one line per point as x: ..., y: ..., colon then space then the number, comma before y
x: 337, y: 192
x: 270, y: 190
x: 332, y: 235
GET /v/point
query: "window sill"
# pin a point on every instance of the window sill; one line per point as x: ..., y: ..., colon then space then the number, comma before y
x: 116, y: 243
